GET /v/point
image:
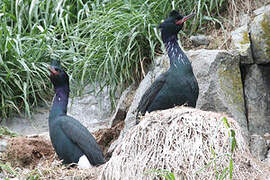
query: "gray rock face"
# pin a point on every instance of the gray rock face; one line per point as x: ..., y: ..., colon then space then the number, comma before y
x: 257, y: 95
x: 3, y: 144
x: 200, y: 40
x: 93, y: 111
x: 241, y: 43
x: 259, y: 28
x: 219, y: 77
x: 123, y: 105
x: 256, y: 69
x: 262, y: 10
x: 260, y: 33
x: 258, y: 147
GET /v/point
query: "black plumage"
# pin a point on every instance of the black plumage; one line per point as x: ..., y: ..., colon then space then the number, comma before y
x: 178, y: 85
x: 70, y: 139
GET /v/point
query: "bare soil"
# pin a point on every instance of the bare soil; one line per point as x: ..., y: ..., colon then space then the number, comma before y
x: 36, y: 154
x: 105, y: 137
x: 27, y: 152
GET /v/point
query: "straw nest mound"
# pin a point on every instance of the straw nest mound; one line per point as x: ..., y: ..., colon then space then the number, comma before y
x: 190, y: 143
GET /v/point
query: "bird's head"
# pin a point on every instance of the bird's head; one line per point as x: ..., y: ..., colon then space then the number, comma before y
x: 173, y: 24
x: 58, y: 76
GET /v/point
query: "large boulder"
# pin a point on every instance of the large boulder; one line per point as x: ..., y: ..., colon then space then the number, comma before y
x: 220, y: 83
x: 257, y: 96
x: 260, y: 34
x: 91, y: 109
x: 241, y: 43
x: 190, y: 143
x: 258, y: 50
x: 123, y: 105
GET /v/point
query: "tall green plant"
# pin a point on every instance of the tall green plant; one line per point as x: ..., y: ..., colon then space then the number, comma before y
x: 97, y: 41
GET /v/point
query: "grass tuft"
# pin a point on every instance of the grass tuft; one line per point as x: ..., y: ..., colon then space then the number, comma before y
x: 97, y: 41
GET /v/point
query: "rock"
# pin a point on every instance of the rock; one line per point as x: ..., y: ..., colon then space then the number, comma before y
x: 267, y: 159
x: 244, y: 19
x: 123, y: 105
x: 257, y: 93
x: 241, y: 43
x: 219, y: 78
x: 258, y: 147
x: 200, y: 40
x: 3, y: 144
x: 262, y: 10
x: 27, y: 126
x: 267, y: 138
x: 260, y: 34
x: 179, y: 140
x: 92, y: 110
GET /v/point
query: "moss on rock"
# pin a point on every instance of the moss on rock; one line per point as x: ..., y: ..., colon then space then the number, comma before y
x: 245, y: 38
x: 265, y: 23
x: 234, y: 89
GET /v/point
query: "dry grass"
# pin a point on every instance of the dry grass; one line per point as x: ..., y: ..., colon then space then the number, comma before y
x: 220, y: 29
x: 187, y: 142
x: 50, y: 170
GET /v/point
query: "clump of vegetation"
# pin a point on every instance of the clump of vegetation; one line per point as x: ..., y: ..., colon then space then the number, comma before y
x: 4, y: 131
x: 97, y: 41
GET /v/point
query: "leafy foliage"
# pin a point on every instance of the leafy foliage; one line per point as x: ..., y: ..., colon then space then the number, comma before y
x: 97, y: 41
x: 4, y: 131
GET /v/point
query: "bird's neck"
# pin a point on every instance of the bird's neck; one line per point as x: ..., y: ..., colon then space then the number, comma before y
x: 175, y: 53
x: 60, y: 102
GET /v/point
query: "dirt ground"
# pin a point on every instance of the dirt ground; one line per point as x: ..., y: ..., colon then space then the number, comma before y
x: 30, y: 157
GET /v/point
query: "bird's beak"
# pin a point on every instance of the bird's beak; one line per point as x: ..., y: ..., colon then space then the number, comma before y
x: 184, y: 19
x: 52, y: 70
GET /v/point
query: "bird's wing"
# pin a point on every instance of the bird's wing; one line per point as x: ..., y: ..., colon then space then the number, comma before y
x: 79, y: 135
x: 151, y: 93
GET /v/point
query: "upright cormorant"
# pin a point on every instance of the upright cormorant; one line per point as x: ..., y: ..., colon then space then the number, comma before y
x: 72, y: 141
x: 178, y: 85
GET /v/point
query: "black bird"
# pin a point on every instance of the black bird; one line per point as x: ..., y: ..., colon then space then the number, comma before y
x: 178, y: 85
x: 72, y: 141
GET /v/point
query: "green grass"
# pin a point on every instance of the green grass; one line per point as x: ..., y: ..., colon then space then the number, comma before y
x: 4, y: 131
x: 97, y: 41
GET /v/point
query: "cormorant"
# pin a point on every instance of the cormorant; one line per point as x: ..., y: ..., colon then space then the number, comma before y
x: 178, y: 85
x: 72, y: 141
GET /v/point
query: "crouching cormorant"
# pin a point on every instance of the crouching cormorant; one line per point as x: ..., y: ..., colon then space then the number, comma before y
x: 72, y: 141
x: 178, y: 85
